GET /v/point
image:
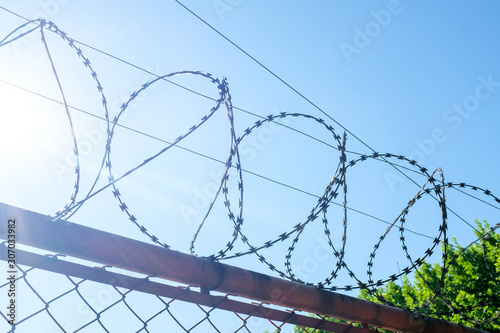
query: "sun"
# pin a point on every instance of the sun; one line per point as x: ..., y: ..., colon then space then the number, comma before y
x: 21, y: 122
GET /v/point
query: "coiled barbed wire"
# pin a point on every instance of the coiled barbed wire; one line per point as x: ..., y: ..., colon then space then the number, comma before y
x: 433, y: 186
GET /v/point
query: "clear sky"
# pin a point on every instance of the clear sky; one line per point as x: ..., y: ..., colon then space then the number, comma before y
x: 411, y: 78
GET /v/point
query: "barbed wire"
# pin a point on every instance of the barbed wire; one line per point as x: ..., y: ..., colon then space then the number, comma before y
x: 397, y: 166
x: 434, y: 186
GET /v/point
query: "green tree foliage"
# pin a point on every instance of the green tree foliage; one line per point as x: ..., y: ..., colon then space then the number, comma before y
x: 469, y: 294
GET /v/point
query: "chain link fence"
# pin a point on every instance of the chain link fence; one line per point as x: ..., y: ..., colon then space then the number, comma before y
x: 55, y: 293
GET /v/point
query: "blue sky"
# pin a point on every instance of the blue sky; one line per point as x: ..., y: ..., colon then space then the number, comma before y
x: 406, y: 77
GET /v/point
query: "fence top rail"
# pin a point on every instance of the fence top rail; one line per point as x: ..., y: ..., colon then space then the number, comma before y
x: 40, y: 231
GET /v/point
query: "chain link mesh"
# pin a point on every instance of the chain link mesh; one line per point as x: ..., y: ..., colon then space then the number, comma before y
x: 60, y: 294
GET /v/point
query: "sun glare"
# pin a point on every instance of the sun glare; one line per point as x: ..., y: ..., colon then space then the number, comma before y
x: 20, y: 123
